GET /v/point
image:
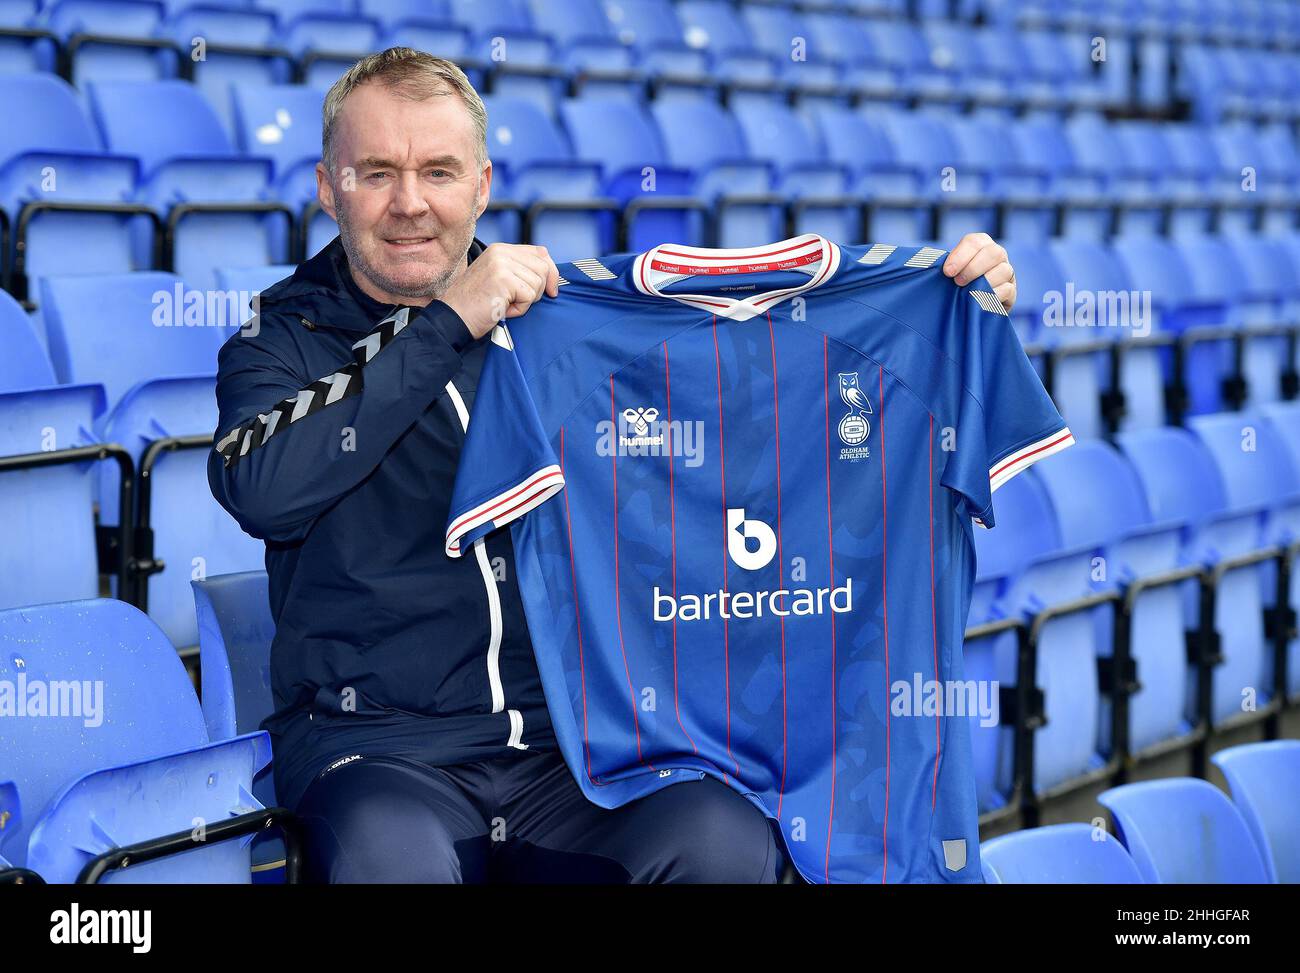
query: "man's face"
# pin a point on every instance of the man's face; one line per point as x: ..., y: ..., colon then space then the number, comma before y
x: 406, y: 191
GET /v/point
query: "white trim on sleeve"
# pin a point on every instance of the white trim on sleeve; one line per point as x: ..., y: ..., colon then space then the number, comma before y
x: 1025, y: 457
x: 507, y: 505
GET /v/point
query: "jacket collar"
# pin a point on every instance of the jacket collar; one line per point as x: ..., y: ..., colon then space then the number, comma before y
x: 319, y: 293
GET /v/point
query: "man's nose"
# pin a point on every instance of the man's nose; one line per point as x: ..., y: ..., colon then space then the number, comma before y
x: 408, y: 201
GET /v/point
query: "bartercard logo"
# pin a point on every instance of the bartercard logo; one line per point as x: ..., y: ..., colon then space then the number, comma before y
x: 751, y: 545
x: 740, y: 532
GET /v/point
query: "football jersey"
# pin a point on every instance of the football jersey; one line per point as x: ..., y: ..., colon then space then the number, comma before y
x: 741, y: 486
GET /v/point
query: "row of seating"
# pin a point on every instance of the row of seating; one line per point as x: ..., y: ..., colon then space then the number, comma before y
x: 129, y: 360
x: 1133, y: 598
x: 1173, y: 831
x: 126, y: 361
x: 119, y: 784
x: 604, y: 175
x: 1147, y: 330
x: 1261, y: 23
x: 549, y: 43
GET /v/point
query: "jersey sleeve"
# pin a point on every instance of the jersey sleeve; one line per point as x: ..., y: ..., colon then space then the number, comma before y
x: 507, y: 466
x: 1006, y: 421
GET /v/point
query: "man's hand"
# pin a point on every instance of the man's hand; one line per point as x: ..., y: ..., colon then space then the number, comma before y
x: 976, y: 255
x: 502, y: 282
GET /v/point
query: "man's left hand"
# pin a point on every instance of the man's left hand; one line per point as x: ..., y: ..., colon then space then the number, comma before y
x: 976, y: 255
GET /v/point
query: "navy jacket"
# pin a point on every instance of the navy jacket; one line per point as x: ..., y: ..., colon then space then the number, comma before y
x: 341, y: 424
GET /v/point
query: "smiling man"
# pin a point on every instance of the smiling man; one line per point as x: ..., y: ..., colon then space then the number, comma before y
x: 410, y: 728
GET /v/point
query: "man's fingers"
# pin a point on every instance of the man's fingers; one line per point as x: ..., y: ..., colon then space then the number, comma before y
x: 965, y: 249
x: 981, y: 263
x: 999, y: 274
x: 1006, y: 293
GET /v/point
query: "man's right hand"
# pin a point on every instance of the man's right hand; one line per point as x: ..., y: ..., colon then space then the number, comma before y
x: 502, y: 282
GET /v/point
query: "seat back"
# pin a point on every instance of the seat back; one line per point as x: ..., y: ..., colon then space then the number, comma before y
x: 96, y: 684
x: 1060, y: 854
x: 1182, y: 830
x: 1265, y: 783
x: 49, y: 547
x: 235, y: 633
x: 123, y: 805
x: 123, y: 329
x: 127, y: 114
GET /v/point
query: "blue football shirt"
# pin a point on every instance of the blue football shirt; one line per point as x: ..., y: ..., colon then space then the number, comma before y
x: 749, y: 479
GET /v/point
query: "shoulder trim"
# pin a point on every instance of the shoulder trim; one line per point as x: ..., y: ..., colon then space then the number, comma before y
x: 925, y: 257
x: 878, y: 254
x: 342, y: 384
x: 989, y: 301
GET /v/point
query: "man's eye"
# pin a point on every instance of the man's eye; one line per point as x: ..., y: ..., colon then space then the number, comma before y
x: 439, y: 173
x: 376, y: 176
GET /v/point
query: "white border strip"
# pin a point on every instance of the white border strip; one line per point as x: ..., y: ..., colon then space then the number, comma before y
x: 1027, y: 456
x: 537, y: 489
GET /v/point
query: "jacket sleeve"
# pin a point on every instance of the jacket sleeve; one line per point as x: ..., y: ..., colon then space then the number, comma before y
x: 289, y: 445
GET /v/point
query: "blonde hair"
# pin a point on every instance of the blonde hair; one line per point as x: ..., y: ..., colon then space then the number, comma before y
x: 413, y: 74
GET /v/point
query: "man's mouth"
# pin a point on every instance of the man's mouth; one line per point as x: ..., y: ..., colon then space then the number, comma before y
x: 410, y: 241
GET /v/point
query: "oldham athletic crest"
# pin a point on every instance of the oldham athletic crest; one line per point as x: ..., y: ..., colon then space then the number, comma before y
x: 854, y: 427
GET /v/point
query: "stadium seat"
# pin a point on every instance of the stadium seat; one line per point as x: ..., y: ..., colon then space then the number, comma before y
x: 49, y: 549
x: 1082, y: 373
x: 11, y: 817
x: 1183, y: 485
x: 628, y: 144
x: 1026, y: 535
x: 1182, y: 830
x: 1061, y: 854
x: 532, y: 162
x: 128, y: 758
x: 112, y: 39
x: 1265, y: 783
x: 282, y: 122
x: 241, y: 46
x: 214, y: 199
x: 705, y: 138
x: 1098, y: 502
x: 153, y: 346
x: 53, y: 159
x: 235, y: 633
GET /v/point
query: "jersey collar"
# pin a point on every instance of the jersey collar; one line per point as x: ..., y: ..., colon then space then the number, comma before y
x: 810, y: 253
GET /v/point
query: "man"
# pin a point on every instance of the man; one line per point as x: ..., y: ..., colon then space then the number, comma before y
x: 410, y: 729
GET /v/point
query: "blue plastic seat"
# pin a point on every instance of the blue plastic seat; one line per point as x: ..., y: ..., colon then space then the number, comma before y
x: 1081, y: 379
x: 282, y: 122
x: 1098, y: 501
x: 127, y: 758
x: 654, y: 31
x: 1265, y: 783
x: 50, y: 132
x: 191, y: 160
x: 160, y: 383
x: 126, y: 45
x: 894, y: 188
x: 1060, y: 854
x: 781, y: 137
x: 242, y: 46
x: 1183, y: 830
x: 11, y: 817
x: 1026, y: 533
x: 704, y: 137
x: 235, y: 633
x: 1284, y: 418
x: 1183, y: 485
x: 626, y: 140
x: 532, y: 155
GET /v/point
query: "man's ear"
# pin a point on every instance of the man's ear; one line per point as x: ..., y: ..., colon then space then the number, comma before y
x: 485, y: 190
x: 325, y: 190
